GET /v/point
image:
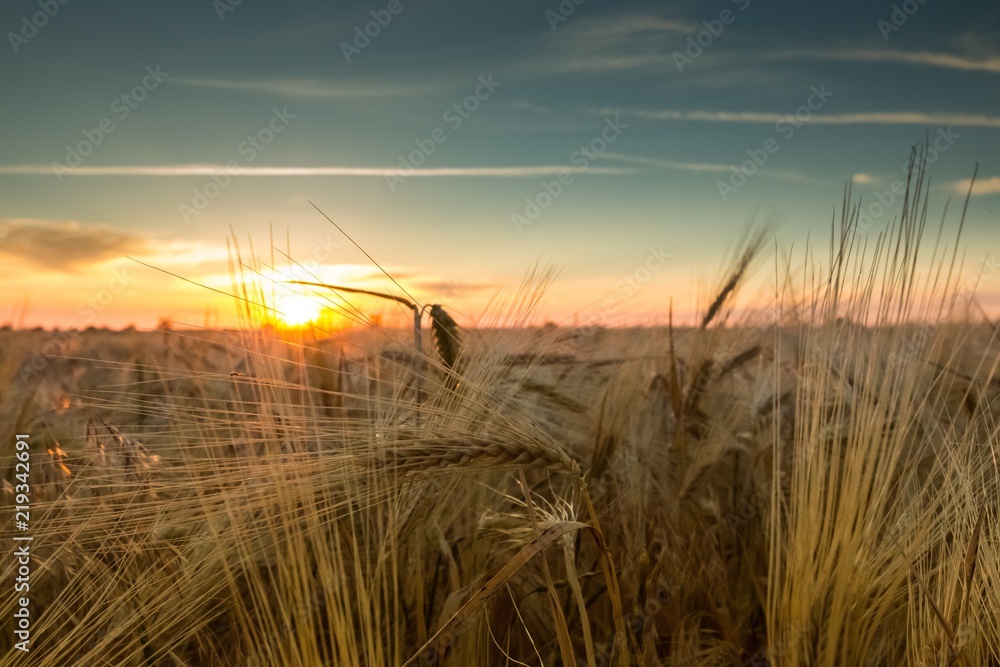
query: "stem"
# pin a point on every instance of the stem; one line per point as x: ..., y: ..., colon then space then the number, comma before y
x: 354, y: 290
x: 418, y: 343
x: 418, y: 337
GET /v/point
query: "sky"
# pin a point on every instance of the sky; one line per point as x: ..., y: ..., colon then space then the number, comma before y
x: 460, y: 144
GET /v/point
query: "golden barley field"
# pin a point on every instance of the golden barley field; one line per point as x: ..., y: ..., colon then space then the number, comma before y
x: 814, y: 482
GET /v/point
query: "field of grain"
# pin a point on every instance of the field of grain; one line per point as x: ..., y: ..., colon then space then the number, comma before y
x: 814, y: 485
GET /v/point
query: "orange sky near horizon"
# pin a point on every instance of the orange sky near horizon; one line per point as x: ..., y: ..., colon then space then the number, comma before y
x: 129, y: 293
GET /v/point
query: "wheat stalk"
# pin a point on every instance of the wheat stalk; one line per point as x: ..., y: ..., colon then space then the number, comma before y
x: 483, y: 452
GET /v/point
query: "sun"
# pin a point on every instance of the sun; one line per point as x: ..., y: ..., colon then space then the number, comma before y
x: 296, y: 310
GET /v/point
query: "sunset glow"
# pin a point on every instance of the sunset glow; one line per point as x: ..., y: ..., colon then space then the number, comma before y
x: 297, y: 310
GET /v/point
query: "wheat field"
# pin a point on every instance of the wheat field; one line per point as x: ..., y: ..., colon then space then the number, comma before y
x: 810, y: 482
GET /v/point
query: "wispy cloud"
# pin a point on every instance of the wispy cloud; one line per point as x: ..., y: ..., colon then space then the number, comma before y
x: 533, y: 108
x: 924, y: 58
x: 451, y: 288
x: 618, y: 29
x: 65, y: 246
x: 864, y: 179
x: 984, y: 186
x: 703, y: 167
x: 607, y: 44
x: 321, y: 89
x: 858, y: 118
x: 214, y: 169
x: 184, y: 253
x: 668, y: 164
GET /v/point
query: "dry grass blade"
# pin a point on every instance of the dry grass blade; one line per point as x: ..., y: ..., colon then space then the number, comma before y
x: 354, y: 290
x: 529, y: 551
x: 605, y: 444
x: 610, y: 579
x: 674, y: 384
x: 945, y: 623
x: 969, y: 566
x: 581, y: 604
x: 356, y: 245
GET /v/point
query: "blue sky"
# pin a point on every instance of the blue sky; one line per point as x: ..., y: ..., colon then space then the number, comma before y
x: 665, y: 100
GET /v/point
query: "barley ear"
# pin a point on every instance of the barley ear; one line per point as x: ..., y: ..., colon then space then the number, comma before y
x: 447, y: 340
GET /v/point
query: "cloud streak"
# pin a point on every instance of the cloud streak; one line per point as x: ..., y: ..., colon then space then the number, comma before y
x: 316, y: 89
x: 613, y: 43
x: 924, y: 58
x: 703, y: 167
x: 858, y: 118
x: 668, y: 164
x: 214, y: 169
